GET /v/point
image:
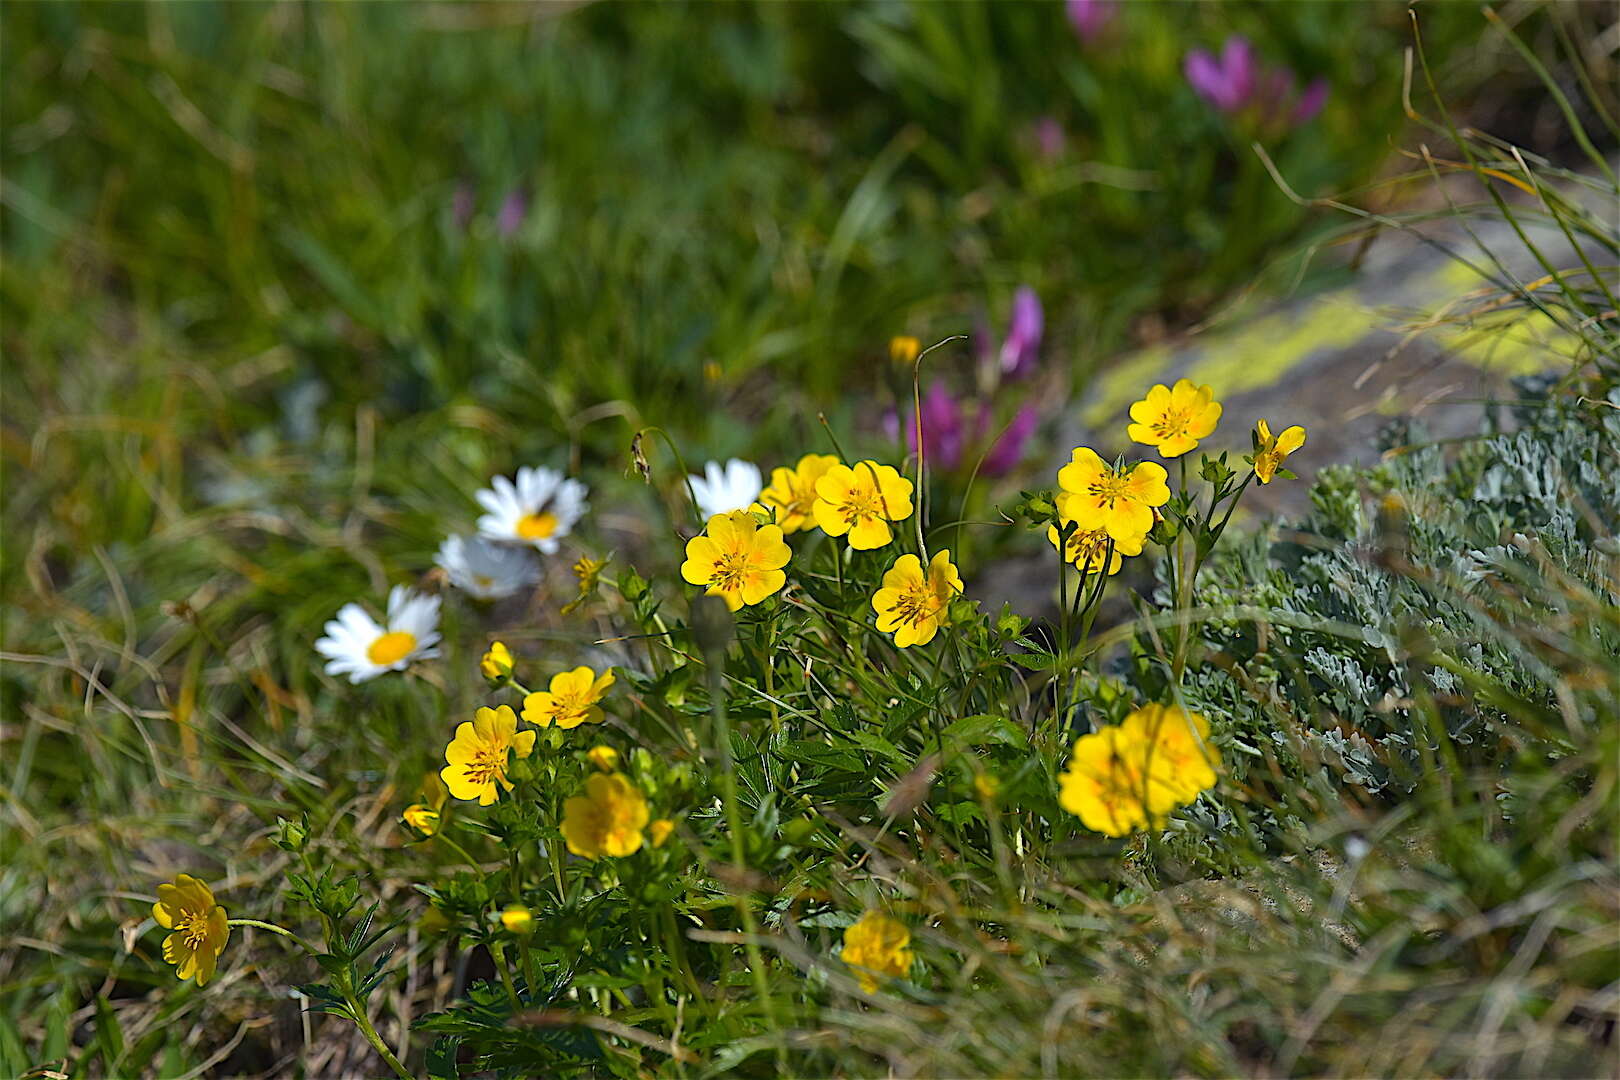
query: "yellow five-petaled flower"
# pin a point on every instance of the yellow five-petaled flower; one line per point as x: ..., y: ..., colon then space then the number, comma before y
x: 187, y: 907
x: 861, y: 501
x: 478, y: 756
x: 1119, y: 501
x: 913, y: 605
x: 739, y: 559
x: 607, y: 819
x: 1131, y: 775
x: 792, y: 492
x: 570, y: 701
x: 877, y: 947
x: 1270, y: 451
x: 1174, y: 418
x: 497, y: 663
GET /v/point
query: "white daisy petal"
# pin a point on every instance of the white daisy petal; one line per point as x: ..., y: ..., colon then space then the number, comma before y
x: 724, y: 488
x: 486, y: 569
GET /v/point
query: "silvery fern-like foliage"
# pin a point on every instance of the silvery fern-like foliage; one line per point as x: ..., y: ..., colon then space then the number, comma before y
x: 1426, y: 612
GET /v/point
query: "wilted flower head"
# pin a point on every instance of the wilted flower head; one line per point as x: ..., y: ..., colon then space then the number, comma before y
x: 1235, y: 82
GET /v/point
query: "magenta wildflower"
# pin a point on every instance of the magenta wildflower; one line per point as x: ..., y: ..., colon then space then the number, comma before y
x: 1237, y: 84
x: 1023, y: 342
x: 513, y: 209
x: 942, y: 431
x: 1009, y: 449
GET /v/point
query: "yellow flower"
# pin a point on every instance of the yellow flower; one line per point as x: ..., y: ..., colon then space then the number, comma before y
x: 1271, y: 451
x: 913, y: 606
x: 903, y: 349
x: 497, y: 663
x: 603, y: 757
x: 424, y: 819
x: 1175, y: 418
x: 659, y: 831
x: 987, y: 786
x: 1130, y: 776
x: 792, y: 492
x: 517, y: 919
x: 1176, y: 754
x: 607, y: 819
x: 187, y: 907
x: 1103, y: 784
x: 477, y: 757
x: 739, y: 559
x: 1086, y: 548
x: 571, y: 700
x: 877, y: 947
x: 1095, y: 495
x: 861, y: 501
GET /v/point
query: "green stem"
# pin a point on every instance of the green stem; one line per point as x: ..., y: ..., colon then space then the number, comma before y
x: 364, y: 1024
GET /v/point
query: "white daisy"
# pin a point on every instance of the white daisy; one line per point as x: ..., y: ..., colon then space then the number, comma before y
x: 724, y: 488
x: 486, y: 569
x: 541, y: 507
x: 356, y: 646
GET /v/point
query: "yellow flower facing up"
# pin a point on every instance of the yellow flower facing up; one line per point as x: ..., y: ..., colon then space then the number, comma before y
x: 792, y: 492
x: 913, y: 605
x: 1130, y: 776
x: 1087, y: 549
x: 739, y: 559
x: 861, y: 501
x: 659, y: 831
x: 1174, y: 418
x: 607, y: 820
x: 1119, y: 501
x: 186, y: 906
x: 878, y: 948
x: 604, y: 757
x: 517, y: 919
x: 571, y: 700
x: 497, y: 662
x: 1270, y: 451
x: 903, y: 349
x: 478, y: 756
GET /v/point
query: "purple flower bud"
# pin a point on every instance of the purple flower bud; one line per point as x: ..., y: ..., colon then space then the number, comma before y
x: 461, y: 205
x: 1008, y: 451
x: 1311, y: 101
x: 513, y: 209
x: 1019, y: 351
x: 941, y: 428
x: 1090, y: 17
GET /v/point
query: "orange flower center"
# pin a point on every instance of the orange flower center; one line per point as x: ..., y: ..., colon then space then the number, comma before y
x: 729, y: 570
x: 488, y: 764
x: 537, y: 526
x: 391, y: 648
x: 1110, y: 488
x: 1172, y: 423
x: 916, y: 604
x: 862, y: 503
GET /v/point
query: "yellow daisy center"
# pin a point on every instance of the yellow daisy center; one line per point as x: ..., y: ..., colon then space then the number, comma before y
x: 537, y: 526
x: 391, y: 648
x: 193, y: 929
